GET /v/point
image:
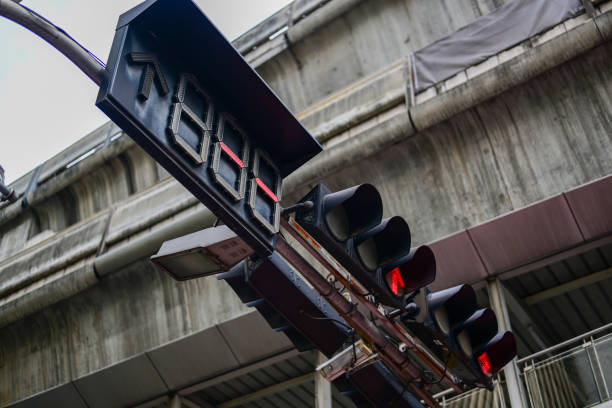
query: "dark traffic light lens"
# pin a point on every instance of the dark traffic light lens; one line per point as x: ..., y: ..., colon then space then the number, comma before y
x: 368, y: 254
x: 338, y: 223
x: 477, y: 330
x: 441, y: 317
x: 384, y: 243
x: 452, y: 306
x: 354, y: 210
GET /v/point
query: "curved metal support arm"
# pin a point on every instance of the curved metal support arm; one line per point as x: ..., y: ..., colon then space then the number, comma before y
x: 65, y: 44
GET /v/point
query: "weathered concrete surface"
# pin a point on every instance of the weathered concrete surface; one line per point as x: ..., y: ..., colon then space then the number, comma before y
x: 129, y: 312
x: 366, y: 39
x: 526, y: 144
x: 547, y: 135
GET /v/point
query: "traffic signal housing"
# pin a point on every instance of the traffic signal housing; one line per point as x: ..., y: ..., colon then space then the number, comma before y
x: 410, y: 272
x: 374, y: 385
x: 462, y: 335
x: 287, y: 303
x: 376, y: 251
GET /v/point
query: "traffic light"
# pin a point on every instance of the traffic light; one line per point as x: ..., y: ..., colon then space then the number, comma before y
x: 463, y: 335
x: 375, y: 385
x: 287, y: 303
x: 376, y: 251
x: 409, y: 273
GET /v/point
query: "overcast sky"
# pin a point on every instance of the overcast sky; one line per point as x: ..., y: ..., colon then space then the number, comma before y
x: 46, y: 103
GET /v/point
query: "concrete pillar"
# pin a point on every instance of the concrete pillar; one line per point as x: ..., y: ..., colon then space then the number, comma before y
x: 323, y: 392
x: 511, y: 371
x: 175, y: 401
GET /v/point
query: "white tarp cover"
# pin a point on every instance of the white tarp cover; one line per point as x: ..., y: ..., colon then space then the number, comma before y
x: 506, y: 26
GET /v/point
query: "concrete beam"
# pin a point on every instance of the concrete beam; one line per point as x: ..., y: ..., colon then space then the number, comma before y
x: 153, y: 403
x: 51, y: 182
x: 568, y: 286
x: 190, y: 404
x: 236, y: 373
x: 515, y: 306
x: 267, y: 391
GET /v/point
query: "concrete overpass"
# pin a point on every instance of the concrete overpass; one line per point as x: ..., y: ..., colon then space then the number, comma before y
x: 505, y: 167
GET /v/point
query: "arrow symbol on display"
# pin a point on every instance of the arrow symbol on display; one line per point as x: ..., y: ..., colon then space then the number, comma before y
x: 152, y: 70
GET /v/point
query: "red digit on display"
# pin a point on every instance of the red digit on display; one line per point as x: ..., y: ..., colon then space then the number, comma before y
x: 265, y: 207
x: 230, y: 174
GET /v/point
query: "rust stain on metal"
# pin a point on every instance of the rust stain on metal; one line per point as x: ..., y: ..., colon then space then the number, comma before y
x: 305, y: 235
x: 304, y: 239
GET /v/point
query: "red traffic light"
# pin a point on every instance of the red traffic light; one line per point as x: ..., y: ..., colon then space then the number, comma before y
x: 395, y: 282
x: 485, y: 364
x: 498, y: 352
x: 415, y: 270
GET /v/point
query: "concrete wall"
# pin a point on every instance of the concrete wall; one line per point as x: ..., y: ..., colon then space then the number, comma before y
x: 128, y: 313
x: 527, y: 144
x: 364, y: 40
x: 124, y: 169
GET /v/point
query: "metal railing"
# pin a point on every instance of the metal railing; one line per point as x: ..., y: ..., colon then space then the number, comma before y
x: 576, y: 373
x: 578, y: 377
x: 477, y: 397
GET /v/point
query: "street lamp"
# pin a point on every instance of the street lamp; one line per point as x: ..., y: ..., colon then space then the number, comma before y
x: 6, y: 194
x: 201, y: 253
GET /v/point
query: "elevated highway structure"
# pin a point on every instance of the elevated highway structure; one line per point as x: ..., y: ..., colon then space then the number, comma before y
x: 505, y: 168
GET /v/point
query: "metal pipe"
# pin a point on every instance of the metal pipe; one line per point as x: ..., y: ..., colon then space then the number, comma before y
x: 47, y: 188
x: 565, y: 343
x: 319, y: 18
x: 58, y: 38
x: 149, y: 243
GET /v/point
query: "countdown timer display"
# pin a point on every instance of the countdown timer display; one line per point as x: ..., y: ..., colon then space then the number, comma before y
x: 182, y: 92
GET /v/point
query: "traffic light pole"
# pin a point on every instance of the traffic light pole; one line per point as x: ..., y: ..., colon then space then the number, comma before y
x: 58, y: 38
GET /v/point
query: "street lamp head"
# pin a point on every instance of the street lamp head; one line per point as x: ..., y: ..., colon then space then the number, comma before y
x: 201, y: 253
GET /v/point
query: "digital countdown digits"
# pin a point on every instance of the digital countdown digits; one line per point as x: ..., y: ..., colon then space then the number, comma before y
x: 199, y: 131
x: 189, y: 99
x: 229, y: 169
x: 203, y: 126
